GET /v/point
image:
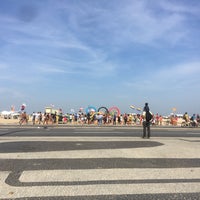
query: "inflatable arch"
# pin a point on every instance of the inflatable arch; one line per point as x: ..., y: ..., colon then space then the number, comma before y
x: 114, y: 110
x: 90, y: 109
x: 103, y: 110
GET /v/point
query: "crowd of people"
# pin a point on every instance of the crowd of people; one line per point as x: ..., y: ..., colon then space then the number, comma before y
x: 99, y: 118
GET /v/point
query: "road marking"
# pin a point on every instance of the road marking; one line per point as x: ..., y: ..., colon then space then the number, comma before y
x: 99, y: 132
x: 72, y: 138
x: 109, y: 174
x: 97, y: 189
x: 172, y: 148
x: 165, y: 151
x: 192, y: 132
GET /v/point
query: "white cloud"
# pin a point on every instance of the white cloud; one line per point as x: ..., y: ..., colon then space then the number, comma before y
x: 142, y: 24
x: 180, y: 71
x: 11, y: 93
x: 180, y: 76
x: 180, y: 7
x: 49, y: 69
x: 138, y: 22
x: 102, y: 39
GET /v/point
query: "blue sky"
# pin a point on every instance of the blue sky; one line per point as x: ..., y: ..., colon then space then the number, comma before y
x: 75, y: 53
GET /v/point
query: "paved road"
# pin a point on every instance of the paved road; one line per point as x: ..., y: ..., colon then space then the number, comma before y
x: 99, y: 163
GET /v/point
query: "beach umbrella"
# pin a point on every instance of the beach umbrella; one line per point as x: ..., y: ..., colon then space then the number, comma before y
x: 5, y: 112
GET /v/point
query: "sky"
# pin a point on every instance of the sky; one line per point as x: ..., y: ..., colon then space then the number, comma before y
x: 80, y: 53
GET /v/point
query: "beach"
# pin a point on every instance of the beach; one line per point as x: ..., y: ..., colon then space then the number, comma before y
x: 8, y: 121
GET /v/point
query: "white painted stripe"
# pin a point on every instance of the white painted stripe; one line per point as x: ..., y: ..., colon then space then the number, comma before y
x: 99, y: 138
x: 109, y: 174
x: 91, y: 190
x: 171, y: 148
x: 71, y: 139
x: 108, y: 132
x: 102, y: 189
x: 150, y: 152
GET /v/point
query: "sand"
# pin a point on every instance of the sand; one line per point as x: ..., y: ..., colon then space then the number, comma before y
x: 8, y: 121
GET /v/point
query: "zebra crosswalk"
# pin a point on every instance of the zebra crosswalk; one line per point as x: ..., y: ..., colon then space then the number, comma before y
x: 164, y: 169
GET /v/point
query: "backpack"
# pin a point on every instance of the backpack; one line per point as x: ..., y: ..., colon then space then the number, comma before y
x: 149, y: 116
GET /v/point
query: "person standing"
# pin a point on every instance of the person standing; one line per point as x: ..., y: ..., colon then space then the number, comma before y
x: 99, y: 118
x: 147, y: 116
x: 125, y: 119
x: 33, y: 118
x: 114, y: 119
x: 146, y: 107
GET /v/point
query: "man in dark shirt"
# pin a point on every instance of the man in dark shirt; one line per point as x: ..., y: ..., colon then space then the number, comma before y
x: 146, y: 107
x: 147, y: 116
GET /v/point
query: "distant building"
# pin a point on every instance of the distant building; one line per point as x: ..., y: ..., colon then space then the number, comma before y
x: 51, y: 110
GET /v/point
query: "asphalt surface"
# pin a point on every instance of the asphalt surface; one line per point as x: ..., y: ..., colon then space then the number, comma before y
x: 94, y: 131
x: 79, y: 163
